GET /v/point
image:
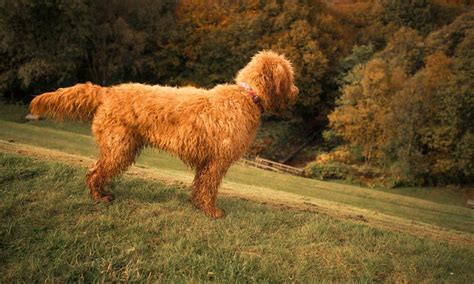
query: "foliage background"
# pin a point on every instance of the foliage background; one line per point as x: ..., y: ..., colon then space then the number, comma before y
x: 390, y: 82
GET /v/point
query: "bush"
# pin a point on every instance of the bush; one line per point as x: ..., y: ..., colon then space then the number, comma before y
x: 332, y: 170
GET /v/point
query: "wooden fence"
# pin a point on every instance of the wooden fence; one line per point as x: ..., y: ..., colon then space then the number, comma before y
x: 271, y: 166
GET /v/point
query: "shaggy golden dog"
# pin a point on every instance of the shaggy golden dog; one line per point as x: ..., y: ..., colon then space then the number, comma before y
x: 207, y: 129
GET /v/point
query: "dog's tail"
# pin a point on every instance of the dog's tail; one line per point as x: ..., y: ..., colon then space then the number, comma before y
x: 78, y: 102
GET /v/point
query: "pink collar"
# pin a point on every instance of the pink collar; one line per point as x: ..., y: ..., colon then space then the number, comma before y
x: 256, y: 99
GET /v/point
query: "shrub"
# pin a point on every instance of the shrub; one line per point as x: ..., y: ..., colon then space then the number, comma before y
x: 332, y: 170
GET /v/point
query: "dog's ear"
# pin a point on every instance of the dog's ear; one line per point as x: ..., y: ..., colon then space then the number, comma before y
x: 281, y: 85
x: 281, y: 80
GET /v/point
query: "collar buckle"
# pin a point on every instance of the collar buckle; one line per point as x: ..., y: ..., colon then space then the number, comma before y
x: 255, y: 98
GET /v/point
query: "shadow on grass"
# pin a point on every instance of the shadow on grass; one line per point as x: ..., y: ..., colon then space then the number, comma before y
x: 148, y: 191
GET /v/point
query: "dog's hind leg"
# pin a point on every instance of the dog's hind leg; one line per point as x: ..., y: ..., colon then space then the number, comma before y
x: 205, y: 185
x: 118, y: 149
x: 96, y: 183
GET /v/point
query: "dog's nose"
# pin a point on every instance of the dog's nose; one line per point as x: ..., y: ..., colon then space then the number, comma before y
x: 294, y: 95
x: 296, y: 91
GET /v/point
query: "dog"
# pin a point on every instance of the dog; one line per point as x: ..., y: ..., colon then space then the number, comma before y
x: 208, y: 129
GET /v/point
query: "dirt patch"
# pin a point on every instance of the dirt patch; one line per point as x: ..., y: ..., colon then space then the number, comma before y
x: 268, y: 196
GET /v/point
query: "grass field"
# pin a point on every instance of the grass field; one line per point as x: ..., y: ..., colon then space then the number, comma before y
x: 52, y: 232
x: 308, y: 230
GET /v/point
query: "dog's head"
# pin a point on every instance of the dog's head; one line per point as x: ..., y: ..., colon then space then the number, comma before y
x: 271, y: 76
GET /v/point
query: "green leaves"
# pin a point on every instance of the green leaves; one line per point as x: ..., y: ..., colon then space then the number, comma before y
x: 49, y: 44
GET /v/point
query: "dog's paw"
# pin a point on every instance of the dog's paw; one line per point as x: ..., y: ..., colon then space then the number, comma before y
x: 210, y: 211
x: 103, y: 198
x: 215, y: 213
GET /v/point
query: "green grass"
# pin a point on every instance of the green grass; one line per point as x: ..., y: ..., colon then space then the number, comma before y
x: 441, y: 210
x: 51, y: 231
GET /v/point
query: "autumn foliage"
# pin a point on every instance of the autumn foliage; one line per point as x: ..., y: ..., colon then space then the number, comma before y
x: 388, y: 82
x: 408, y: 109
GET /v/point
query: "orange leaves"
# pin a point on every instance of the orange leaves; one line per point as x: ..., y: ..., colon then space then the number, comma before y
x: 438, y: 69
x: 409, y: 108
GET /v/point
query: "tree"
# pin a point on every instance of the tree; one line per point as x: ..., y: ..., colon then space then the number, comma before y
x: 105, y: 42
x: 409, y: 109
x: 128, y: 40
x: 43, y: 42
x: 361, y: 112
x: 420, y: 15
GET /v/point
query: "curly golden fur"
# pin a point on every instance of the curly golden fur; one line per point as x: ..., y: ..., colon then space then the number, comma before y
x: 207, y: 129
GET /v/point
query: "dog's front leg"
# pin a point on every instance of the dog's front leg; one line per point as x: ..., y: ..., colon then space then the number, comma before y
x: 205, y: 185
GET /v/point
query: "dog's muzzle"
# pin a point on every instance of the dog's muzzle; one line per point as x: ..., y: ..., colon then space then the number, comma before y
x: 293, y: 97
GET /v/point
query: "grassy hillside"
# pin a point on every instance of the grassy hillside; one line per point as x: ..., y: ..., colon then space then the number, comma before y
x: 51, y: 231
x: 439, y: 207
